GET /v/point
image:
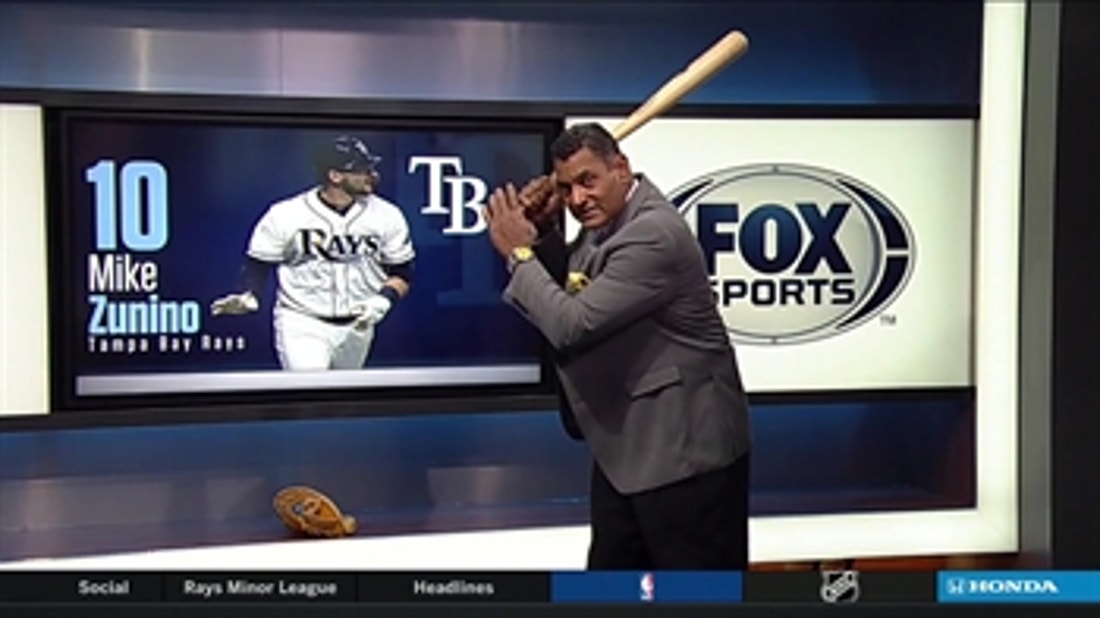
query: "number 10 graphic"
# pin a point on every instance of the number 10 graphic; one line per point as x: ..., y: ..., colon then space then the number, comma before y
x: 144, y: 200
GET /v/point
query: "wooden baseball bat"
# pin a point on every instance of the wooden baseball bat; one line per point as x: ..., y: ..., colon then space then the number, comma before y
x: 706, y: 65
x: 729, y: 48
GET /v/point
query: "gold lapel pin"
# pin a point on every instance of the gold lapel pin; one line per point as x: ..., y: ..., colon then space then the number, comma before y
x: 576, y: 281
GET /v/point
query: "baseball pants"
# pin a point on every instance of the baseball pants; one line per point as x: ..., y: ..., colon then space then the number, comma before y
x: 307, y: 343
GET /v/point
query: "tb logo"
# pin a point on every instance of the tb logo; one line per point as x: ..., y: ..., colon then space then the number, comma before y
x: 453, y: 194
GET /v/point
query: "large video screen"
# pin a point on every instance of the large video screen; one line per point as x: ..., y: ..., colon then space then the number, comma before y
x: 154, y: 217
x: 840, y: 251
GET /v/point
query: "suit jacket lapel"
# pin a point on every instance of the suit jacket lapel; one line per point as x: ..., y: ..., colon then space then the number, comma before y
x: 590, y: 256
x: 582, y: 253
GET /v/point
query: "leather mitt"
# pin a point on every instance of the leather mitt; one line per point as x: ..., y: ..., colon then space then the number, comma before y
x: 309, y: 512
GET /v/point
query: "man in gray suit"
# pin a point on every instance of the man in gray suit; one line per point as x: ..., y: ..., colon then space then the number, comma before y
x: 643, y: 358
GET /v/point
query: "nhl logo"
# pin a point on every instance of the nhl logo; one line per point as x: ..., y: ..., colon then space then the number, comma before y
x: 839, y: 586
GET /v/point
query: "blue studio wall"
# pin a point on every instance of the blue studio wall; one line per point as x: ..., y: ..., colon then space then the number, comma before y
x: 805, y: 53
x: 118, y: 488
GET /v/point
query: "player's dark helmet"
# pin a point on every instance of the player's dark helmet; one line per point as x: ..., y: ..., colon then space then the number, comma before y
x: 344, y: 154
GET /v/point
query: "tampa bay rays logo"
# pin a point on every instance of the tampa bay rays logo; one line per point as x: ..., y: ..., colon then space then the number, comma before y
x: 361, y: 148
x: 839, y: 586
x: 317, y: 243
x: 453, y: 194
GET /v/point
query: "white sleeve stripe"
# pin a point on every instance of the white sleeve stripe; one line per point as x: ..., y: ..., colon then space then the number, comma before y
x: 274, y: 257
x: 398, y: 258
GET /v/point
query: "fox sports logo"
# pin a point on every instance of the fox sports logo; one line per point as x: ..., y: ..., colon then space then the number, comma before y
x: 796, y: 253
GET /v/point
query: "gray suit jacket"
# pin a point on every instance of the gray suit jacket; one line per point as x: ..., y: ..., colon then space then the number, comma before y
x: 645, y: 360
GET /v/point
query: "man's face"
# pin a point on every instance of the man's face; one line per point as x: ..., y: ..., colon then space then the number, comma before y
x: 594, y: 189
x: 357, y: 183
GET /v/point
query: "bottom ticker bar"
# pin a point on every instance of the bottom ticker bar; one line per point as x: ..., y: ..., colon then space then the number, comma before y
x: 646, y: 587
x: 1018, y: 586
x: 466, y: 610
x: 457, y: 587
x: 840, y: 587
x: 575, y: 588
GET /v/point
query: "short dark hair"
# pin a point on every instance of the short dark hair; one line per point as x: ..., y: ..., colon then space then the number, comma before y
x: 590, y: 135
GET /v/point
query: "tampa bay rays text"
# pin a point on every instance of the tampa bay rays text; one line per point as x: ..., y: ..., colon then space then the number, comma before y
x: 126, y: 312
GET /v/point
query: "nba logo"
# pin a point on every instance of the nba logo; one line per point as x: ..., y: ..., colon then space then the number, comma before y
x: 647, y: 586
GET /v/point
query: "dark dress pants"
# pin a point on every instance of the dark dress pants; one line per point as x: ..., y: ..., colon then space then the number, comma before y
x: 700, y: 523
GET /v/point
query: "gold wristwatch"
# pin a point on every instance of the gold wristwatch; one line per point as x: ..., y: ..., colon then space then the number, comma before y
x: 518, y: 256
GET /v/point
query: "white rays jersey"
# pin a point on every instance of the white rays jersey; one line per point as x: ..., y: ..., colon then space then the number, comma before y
x: 329, y: 262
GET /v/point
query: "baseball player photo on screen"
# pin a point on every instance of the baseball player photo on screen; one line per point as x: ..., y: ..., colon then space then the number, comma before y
x: 235, y: 254
x: 343, y: 258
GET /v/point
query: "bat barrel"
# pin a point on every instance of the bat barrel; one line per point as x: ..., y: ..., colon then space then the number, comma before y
x: 727, y: 49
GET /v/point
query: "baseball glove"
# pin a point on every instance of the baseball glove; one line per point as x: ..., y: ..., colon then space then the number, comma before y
x: 235, y: 304
x: 309, y: 512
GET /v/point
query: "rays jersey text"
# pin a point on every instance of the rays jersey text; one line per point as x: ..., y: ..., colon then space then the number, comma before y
x: 329, y: 262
